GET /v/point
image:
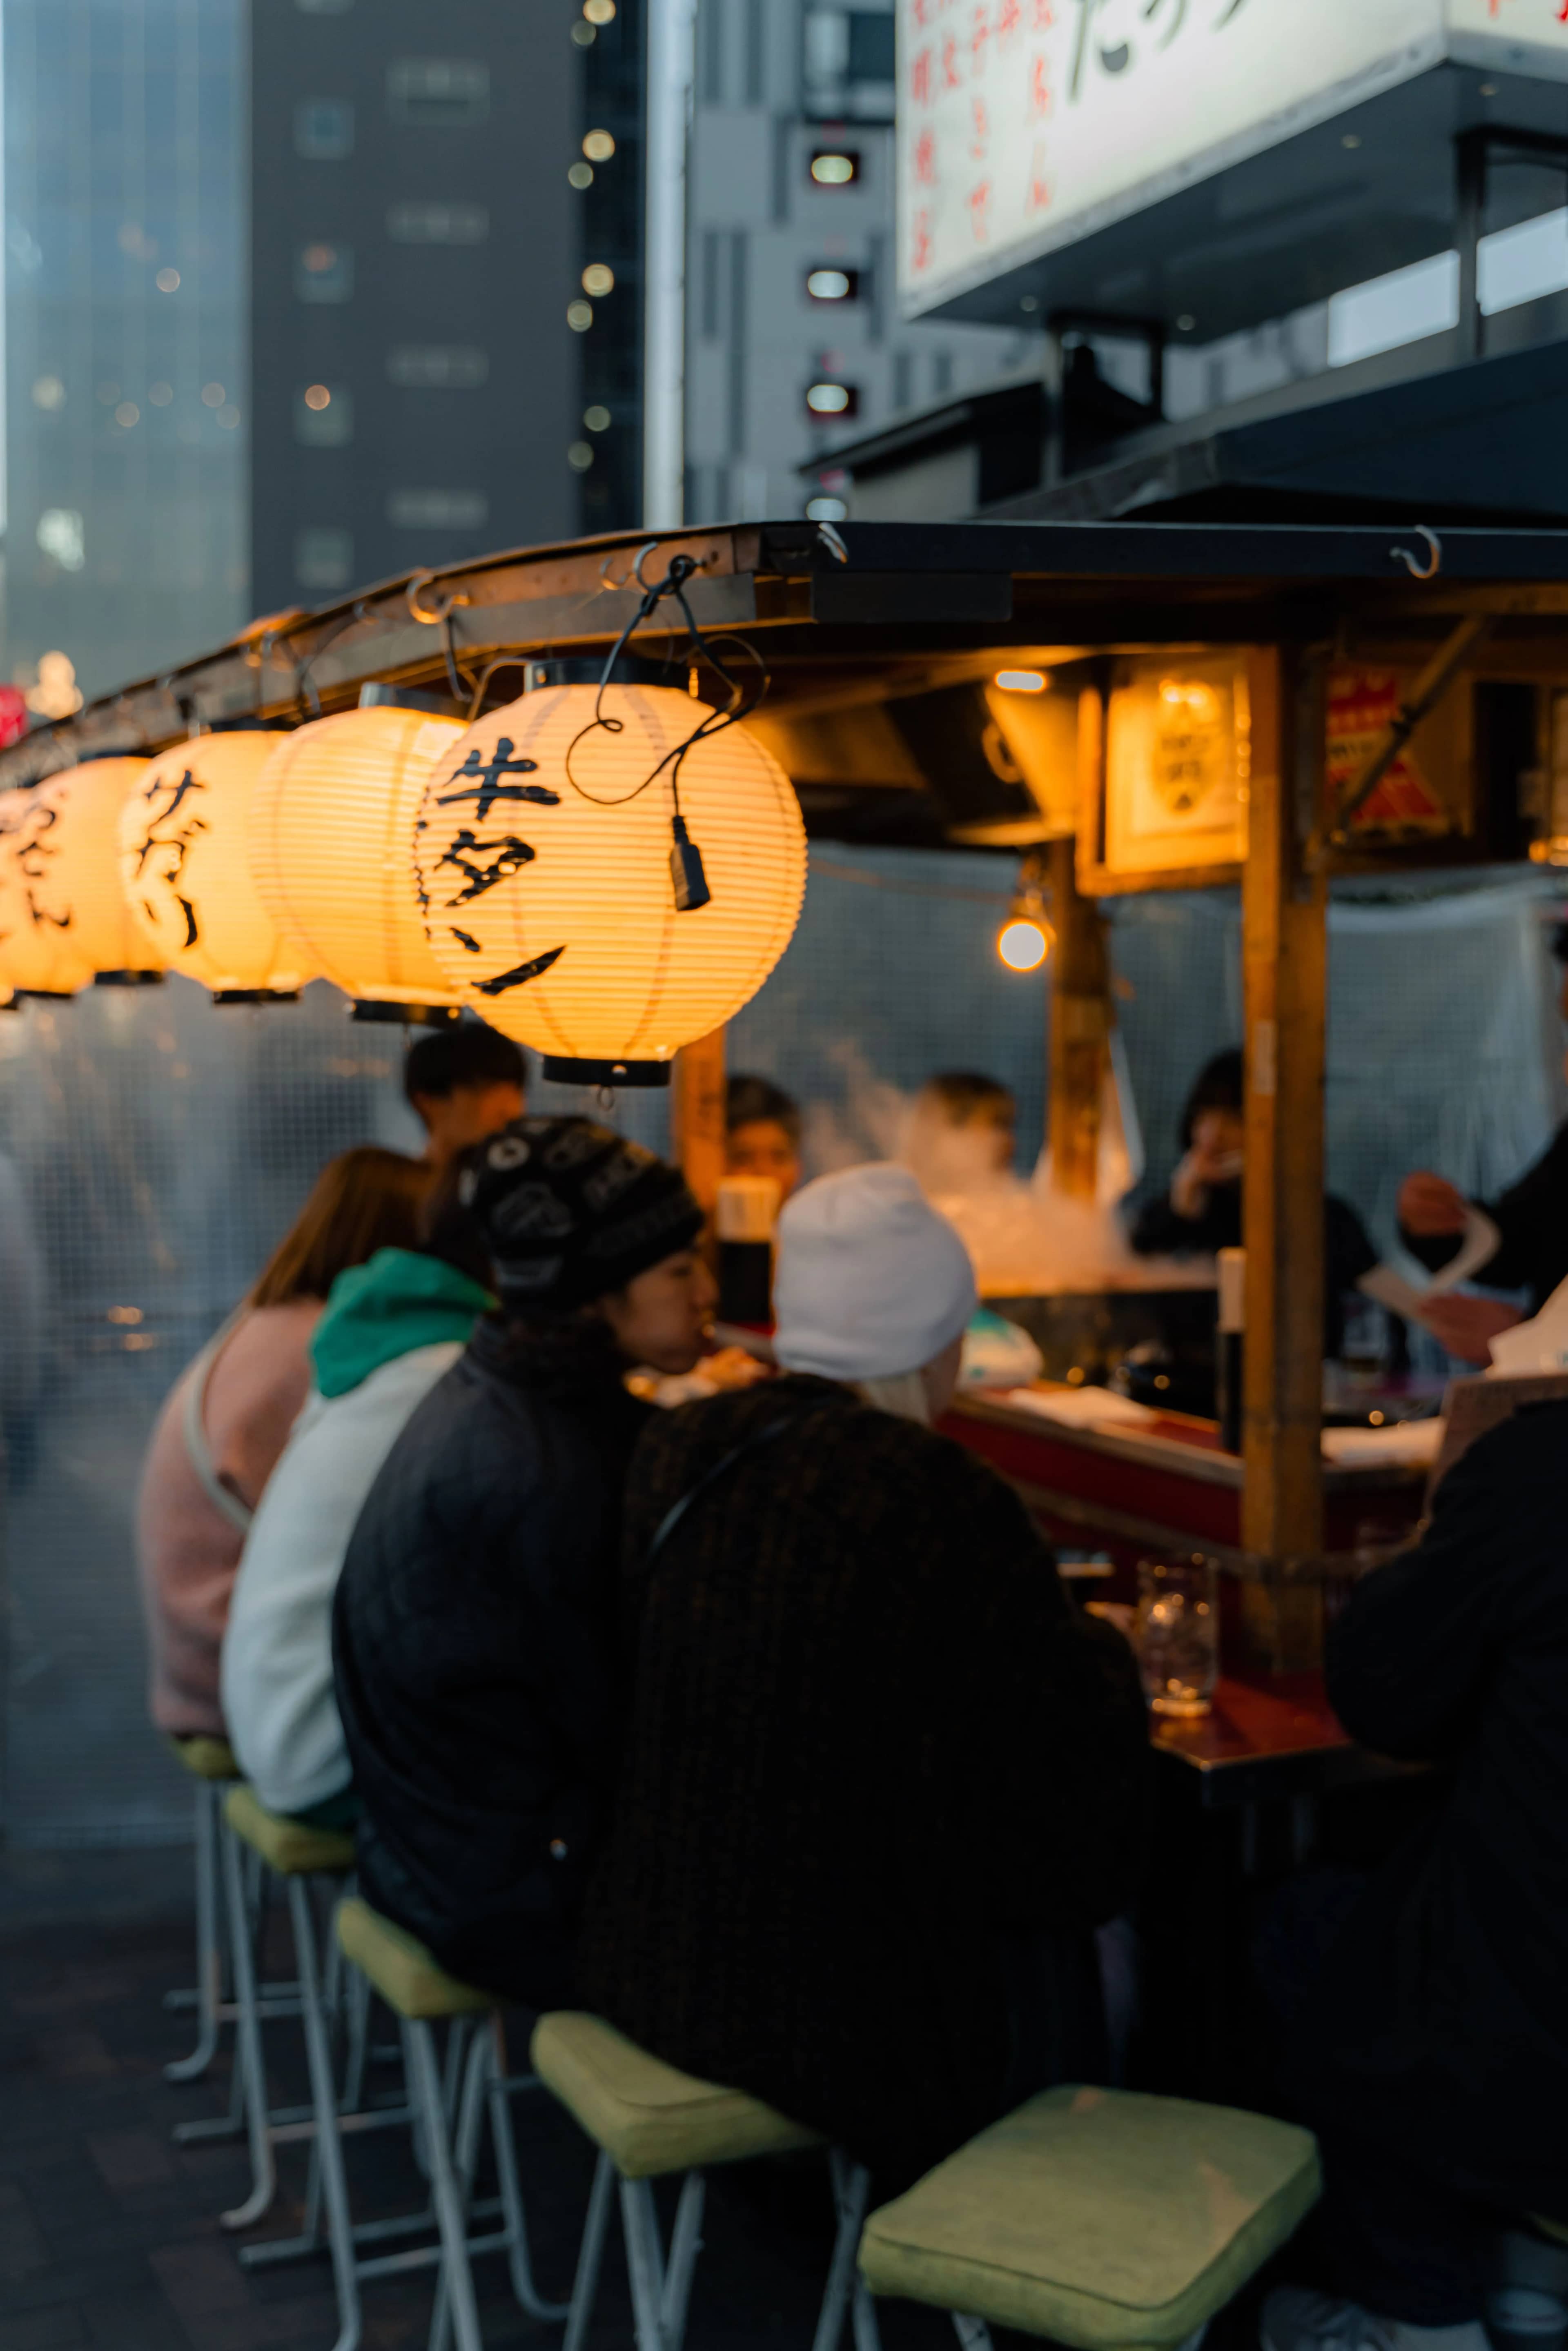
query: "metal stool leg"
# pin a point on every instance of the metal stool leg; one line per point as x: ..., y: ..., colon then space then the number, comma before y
x: 327, y: 2147
x: 498, y: 2090
x: 585, y: 2287
x: 425, y: 2089
x: 249, y: 2059
x: 644, y: 2263
x: 685, y: 2244
x: 209, y: 1942
x: 851, y: 2187
x: 465, y: 2162
x: 972, y: 2333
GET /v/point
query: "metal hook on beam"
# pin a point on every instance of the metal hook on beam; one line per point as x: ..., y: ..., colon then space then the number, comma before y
x: 1433, y: 563
x: 431, y: 615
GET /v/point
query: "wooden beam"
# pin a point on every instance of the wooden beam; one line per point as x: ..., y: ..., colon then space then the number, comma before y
x: 696, y: 1117
x: 1284, y: 911
x: 1079, y: 1028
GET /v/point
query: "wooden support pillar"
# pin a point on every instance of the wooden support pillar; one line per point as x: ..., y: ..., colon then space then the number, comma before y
x: 696, y: 1120
x: 1284, y: 993
x: 1079, y: 1028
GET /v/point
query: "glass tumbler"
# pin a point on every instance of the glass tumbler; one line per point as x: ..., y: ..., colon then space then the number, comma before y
x: 1175, y: 1633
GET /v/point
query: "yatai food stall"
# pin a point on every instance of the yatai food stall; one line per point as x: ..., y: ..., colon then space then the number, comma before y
x: 1127, y: 707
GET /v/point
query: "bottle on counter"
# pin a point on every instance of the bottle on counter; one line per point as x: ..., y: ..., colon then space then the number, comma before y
x: 1232, y: 1315
x: 745, y: 1218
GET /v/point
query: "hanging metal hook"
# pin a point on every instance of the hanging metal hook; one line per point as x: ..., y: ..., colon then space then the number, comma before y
x: 1434, y: 555
x: 431, y: 615
x: 834, y: 543
x: 635, y: 573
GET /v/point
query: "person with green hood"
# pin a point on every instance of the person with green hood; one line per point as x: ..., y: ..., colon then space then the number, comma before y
x: 392, y: 1329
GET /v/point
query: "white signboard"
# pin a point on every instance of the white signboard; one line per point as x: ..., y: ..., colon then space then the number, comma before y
x: 1025, y: 125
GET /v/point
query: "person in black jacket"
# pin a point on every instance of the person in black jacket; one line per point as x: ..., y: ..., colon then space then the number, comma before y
x: 881, y: 1780
x: 1201, y: 1212
x: 1531, y: 1218
x: 1432, y: 2052
x: 472, y: 1636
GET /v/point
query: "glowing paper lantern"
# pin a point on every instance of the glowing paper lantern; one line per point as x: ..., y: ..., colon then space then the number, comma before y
x: 64, y: 918
x: 331, y: 835
x: 183, y: 865
x: 549, y: 902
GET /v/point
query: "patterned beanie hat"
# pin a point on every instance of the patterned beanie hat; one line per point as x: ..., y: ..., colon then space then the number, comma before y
x: 569, y: 1209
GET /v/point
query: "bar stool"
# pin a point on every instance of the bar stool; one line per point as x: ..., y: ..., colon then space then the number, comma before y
x: 649, y: 2121
x: 1104, y: 2219
x: 212, y: 1765
x: 420, y: 1994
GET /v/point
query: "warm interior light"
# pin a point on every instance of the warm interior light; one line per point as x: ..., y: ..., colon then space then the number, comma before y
x: 1023, y: 943
x: 329, y: 835
x: 599, y: 278
x: 63, y: 914
x: 1022, y: 681
x: 548, y: 903
x: 318, y: 396
x: 599, y: 146
x: 599, y: 12
x: 834, y: 170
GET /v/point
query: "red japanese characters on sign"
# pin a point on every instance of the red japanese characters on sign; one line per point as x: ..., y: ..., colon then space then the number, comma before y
x: 1362, y: 705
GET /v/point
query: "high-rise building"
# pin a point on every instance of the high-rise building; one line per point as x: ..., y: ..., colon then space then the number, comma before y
x: 793, y: 339
x: 126, y: 426
x: 444, y: 239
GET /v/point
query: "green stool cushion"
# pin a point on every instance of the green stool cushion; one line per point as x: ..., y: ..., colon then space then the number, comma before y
x: 648, y: 2118
x: 207, y: 1758
x: 1103, y: 2218
x: 291, y: 1847
x: 400, y: 1967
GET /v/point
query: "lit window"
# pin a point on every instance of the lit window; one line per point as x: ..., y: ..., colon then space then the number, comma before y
x: 835, y: 167
x: 580, y: 317
x: 323, y: 557
x: 834, y: 400
x: 438, y: 367
x: 580, y: 175
x: 213, y: 395
x: 580, y: 456
x: 323, y: 416
x: 438, y: 91
x: 167, y: 281
x: 49, y: 392
x: 61, y: 537
x: 128, y: 415
x: 599, y: 278
x: 832, y: 285
x: 437, y: 509
x: 599, y: 146
x: 1022, y: 681
x: 599, y: 12
x: 160, y: 394
x: 324, y: 273
x: 323, y: 130
x: 438, y: 224
x: 826, y: 509
x: 597, y: 419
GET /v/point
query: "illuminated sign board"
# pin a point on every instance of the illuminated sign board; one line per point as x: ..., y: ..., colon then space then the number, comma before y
x: 1028, y: 126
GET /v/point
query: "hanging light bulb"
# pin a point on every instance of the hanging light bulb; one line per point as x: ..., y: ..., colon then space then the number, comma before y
x: 1027, y: 937
x: 553, y: 898
x: 329, y: 833
x: 183, y: 865
x: 64, y: 921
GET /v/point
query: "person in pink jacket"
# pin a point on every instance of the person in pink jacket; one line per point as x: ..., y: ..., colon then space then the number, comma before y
x: 228, y: 1417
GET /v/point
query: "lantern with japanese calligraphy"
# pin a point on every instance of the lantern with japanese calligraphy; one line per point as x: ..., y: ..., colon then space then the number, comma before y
x: 331, y: 835
x: 183, y: 864
x: 64, y: 919
x: 584, y: 909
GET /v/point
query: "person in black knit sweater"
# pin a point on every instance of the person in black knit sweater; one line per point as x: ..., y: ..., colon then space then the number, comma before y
x: 880, y: 1779
x: 1201, y: 1213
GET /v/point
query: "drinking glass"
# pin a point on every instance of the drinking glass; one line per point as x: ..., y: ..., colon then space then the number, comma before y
x: 1175, y: 1633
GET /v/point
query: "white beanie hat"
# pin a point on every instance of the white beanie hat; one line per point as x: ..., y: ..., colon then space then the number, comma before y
x: 870, y: 1280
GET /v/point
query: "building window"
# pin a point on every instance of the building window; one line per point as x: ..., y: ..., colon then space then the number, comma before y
x: 410, y: 224
x: 437, y: 509
x: 323, y: 416
x: 438, y: 91
x: 323, y: 130
x: 835, y: 167
x: 324, y: 273
x: 848, y: 70
x: 834, y: 399
x: 438, y: 367
x: 323, y: 8
x: 833, y: 285
x: 324, y: 556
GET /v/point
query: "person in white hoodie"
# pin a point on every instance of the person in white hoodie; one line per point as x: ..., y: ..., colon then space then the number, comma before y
x: 392, y: 1329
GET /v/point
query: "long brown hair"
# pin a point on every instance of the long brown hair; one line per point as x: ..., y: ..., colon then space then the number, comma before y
x: 365, y: 1199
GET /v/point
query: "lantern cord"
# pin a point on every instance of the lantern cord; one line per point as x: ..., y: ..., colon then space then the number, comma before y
x: 303, y: 684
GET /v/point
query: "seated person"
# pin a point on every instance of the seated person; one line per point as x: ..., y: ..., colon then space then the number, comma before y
x: 881, y: 1780
x: 762, y: 1132
x: 1431, y: 2056
x: 473, y: 1630
x: 962, y: 1132
x: 392, y: 1329
x: 228, y: 1418
x: 464, y: 1082
x: 1201, y: 1213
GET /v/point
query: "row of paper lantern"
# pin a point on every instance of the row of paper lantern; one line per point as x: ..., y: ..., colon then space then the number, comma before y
x: 413, y: 862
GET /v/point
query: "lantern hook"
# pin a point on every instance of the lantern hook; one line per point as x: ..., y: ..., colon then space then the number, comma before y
x: 1433, y: 563
x: 431, y: 614
x: 832, y: 542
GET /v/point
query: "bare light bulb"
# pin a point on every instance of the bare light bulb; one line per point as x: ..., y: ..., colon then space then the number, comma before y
x: 1024, y: 942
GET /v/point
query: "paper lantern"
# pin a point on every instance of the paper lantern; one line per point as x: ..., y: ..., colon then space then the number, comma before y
x: 183, y: 864
x: 331, y: 834
x: 64, y: 919
x: 549, y: 902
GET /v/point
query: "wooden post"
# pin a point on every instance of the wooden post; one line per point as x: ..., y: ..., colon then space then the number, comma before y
x: 696, y: 1120
x: 1080, y: 1028
x: 1284, y: 994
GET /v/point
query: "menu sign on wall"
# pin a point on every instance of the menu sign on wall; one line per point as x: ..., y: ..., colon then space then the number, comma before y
x: 1026, y: 125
